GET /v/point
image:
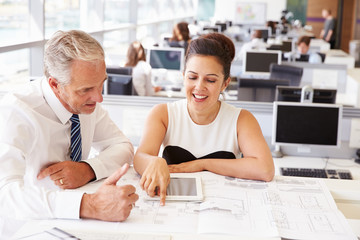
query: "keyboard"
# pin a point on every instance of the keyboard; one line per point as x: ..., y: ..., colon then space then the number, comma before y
x: 317, y: 173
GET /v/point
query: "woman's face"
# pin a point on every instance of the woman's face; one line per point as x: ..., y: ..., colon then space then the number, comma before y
x: 204, y: 80
x: 178, y: 33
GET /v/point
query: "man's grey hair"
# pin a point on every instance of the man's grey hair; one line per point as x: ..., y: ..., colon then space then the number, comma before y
x: 65, y: 47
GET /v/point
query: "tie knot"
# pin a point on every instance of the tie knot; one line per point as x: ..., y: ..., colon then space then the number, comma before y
x: 75, y: 118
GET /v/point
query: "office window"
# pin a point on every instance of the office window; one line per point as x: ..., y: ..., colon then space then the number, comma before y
x: 115, y: 45
x: 116, y: 12
x: 166, y: 10
x: 146, y: 10
x: 16, y: 70
x: 165, y: 27
x: 182, y: 7
x: 144, y: 34
x: 61, y: 15
x: 14, y: 21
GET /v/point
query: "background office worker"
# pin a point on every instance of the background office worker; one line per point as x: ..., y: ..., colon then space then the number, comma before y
x: 328, y: 32
x: 256, y: 43
x: 35, y: 161
x: 141, y: 70
x: 303, y: 47
x: 200, y: 132
x: 180, y: 36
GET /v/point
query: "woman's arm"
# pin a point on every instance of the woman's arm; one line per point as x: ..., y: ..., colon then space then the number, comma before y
x: 257, y: 162
x: 153, y: 169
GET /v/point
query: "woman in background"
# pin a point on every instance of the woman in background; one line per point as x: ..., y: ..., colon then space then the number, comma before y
x: 181, y: 36
x: 141, y: 70
x: 202, y: 133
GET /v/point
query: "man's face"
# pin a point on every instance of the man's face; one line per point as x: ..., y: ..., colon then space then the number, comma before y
x: 85, y: 88
x: 324, y: 13
x: 303, y: 48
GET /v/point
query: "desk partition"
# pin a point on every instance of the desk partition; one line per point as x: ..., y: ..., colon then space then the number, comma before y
x: 322, y: 75
x: 130, y: 112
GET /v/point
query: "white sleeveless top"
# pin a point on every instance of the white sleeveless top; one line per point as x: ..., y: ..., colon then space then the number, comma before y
x: 185, y: 140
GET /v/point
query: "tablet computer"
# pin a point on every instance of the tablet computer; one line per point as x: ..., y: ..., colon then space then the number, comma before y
x: 182, y: 187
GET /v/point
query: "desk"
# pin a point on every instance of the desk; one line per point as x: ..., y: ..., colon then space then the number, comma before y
x: 186, y: 220
x: 354, y: 84
x: 336, y: 56
x: 346, y: 193
x: 319, y: 45
x: 170, y: 93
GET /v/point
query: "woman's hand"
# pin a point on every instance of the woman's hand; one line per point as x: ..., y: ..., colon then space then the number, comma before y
x: 192, y: 166
x: 156, y: 178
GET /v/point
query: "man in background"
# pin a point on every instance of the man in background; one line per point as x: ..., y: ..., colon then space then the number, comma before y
x: 256, y: 43
x: 328, y: 32
x: 303, y: 46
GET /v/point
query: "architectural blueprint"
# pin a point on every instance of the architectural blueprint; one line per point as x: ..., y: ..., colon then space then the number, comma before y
x: 299, y: 208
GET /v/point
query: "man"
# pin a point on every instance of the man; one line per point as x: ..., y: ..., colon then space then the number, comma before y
x: 328, y: 32
x: 303, y: 46
x: 40, y: 154
x: 256, y: 43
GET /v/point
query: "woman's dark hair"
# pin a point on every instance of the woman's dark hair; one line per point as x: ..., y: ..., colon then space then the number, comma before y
x: 184, y: 31
x: 216, y: 45
x: 135, y: 53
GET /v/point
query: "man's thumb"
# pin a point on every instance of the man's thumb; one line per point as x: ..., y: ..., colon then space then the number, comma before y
x: 112, y: 180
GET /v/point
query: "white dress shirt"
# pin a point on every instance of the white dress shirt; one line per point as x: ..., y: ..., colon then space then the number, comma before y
x: 34, y: 133
x: 254, y: 44
x: 141, y: 74
x: 314, y: 57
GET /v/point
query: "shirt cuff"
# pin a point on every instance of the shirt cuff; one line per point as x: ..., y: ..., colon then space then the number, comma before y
x: 98, y: 168
x: 68, y: 204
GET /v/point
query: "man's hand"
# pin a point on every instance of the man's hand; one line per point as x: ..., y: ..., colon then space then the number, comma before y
x: 110, y: 202
x: 68, y: 174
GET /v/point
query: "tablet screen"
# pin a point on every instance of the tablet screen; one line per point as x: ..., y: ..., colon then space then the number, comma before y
x: 182, y: 187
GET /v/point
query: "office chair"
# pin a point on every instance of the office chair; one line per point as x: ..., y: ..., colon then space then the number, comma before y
x: 119, y: 70
x: 286, y: 72
x: 322, y: 55
x: 120, y: 84
x: 259, y: 90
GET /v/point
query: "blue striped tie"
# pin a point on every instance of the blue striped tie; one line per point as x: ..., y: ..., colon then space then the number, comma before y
x: 75, y: 138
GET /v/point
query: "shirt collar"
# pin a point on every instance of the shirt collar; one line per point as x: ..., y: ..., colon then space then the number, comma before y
x: 54, y: 103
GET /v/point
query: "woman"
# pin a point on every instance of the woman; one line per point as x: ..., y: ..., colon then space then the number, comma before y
x: 180, y: 36
x: 200, y: 132
x: 141, y: 71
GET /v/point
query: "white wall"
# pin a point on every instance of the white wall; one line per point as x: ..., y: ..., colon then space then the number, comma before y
x: 225, y: 10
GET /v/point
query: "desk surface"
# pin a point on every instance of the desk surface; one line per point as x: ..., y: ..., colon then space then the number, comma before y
x: 345, y: 192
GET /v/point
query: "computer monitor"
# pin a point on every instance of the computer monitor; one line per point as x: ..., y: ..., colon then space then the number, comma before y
x: 306, y: 125
x: 293, y: 94
x: 120, y: 84
x: 302, y: 58
x: 223, y: 26
x: 258, y: 62
x: 212, y: 28
x: 265, y: 32
x: 286, y: 46
x: 169, y: 58
x: 119, y: 70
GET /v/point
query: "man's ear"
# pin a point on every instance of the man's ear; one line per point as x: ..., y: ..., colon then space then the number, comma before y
x: 54, y: 85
